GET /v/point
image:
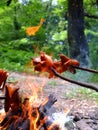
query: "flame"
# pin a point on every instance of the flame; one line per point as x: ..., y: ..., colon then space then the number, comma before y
x: 34, y: 103
x: 34, y: 117
x: 2, y: 114
x: 36, y: 89
x: 54, y: 126
x: 31, y: 109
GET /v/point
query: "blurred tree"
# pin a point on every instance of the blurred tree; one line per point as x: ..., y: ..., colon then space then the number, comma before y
x: 52, y: 36
x: 78, y: 46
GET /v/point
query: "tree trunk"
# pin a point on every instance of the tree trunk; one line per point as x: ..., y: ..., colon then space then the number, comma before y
x: 78, y: 47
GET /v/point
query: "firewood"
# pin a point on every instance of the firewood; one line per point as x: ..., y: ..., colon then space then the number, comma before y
x: 47, y: 104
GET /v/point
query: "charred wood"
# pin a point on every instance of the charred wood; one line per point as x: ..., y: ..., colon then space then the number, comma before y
x: 44, y: 113
x: 44, y: 107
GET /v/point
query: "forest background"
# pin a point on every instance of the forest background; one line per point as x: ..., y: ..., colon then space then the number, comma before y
x: 17, y: 48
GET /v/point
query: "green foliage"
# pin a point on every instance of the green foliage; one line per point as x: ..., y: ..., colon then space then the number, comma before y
x: 91, y: 6
x: 60, y: 36
x: 94, y: 78
x: 83, y: 93
x: 22, y: 44
x: 92, y: 37
x: 15, y: 60
x: 16, y: 47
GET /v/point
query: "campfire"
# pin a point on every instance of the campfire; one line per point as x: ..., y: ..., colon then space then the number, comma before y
x: 26, y: 115
x: 30, y: 114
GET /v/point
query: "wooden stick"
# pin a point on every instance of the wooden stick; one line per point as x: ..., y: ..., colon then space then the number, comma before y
x: 86, y: 85
x: 86, y: 69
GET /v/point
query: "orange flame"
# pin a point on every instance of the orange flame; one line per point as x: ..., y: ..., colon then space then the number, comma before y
x: 54, y: 126
x: 34, y: 117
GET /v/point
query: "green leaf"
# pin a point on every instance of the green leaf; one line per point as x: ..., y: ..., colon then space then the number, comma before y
x: 60, y: 36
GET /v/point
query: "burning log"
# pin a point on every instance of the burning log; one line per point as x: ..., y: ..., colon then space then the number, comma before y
x: 47, y: 104
x: 44, y: 112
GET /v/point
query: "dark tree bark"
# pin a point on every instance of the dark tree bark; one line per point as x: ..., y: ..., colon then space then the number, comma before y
x: 8, y: 2
x: 78, y: 47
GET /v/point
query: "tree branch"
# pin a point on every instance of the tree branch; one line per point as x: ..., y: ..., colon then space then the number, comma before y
x: 86, y: 85
x: 90, y: 16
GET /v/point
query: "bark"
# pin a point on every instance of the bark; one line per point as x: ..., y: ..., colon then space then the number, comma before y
x: 78, y: 47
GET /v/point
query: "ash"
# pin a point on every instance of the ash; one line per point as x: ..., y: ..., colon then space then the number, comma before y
x: 65, y: 121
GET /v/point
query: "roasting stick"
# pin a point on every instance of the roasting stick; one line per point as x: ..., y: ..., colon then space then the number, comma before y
x: 85, y: 69
x: 86, y: 85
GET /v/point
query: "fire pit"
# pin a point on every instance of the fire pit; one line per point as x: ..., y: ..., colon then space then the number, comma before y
x: 30, y: 115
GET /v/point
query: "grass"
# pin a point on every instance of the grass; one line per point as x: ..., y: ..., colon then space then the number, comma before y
x: 83, y: 93
x: 94, y: 78
x: 83, y: 76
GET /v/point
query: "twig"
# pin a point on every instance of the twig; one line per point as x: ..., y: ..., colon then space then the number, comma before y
x: 86, y: 69
x: 86, y: 85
